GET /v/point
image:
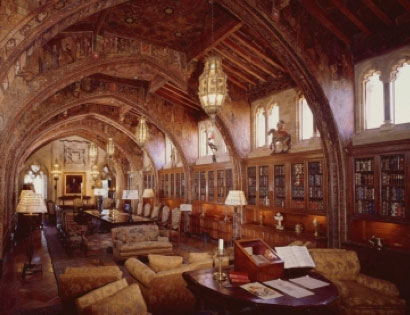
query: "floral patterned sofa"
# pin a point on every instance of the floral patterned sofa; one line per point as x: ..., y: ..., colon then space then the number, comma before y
x: 359, y: 293
x: 136, y: 240
x: 162, y: 284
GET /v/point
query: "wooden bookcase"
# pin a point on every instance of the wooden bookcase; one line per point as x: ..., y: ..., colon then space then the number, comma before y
x: 379, y: 194
x: 292, y: 184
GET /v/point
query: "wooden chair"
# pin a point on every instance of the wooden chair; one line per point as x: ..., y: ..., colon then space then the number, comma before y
x: 51, y: 212
x: 174, y: 227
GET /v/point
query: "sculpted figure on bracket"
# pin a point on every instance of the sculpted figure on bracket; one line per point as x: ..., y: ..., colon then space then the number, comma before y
x: 281, y: 140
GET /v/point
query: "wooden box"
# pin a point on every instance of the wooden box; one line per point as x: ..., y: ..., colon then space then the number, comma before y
x: 257, y: 259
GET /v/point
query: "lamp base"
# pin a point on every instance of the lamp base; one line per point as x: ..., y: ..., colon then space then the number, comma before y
x: 30, y: 269
x: 220, y: 276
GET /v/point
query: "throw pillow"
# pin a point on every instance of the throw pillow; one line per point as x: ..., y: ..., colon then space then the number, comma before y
x: 161, y: 263
x: 195, y: 257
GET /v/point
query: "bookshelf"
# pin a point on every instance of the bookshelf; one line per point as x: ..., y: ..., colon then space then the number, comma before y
x: 297, y: 186
x: 315, y: 186
x: 220, y: 186
x: 364, y: 186
x: 252, y: 185
x: 279, y: 186
x: 211, y: 185
x: 393, y: 186
x: 264, y: 186
x: 178, y: 185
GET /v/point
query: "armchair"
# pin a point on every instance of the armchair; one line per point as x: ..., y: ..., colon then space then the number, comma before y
x: 76, y: 281
x: 114, y: 298
x: 163, y: 288
x: 360, y: 294
x: 154, y: 213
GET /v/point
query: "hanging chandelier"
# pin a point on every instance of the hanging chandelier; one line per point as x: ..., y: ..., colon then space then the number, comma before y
x: 93, y: 150
x: 110, y: 147
x: 213, y: 87
x: 142, y: 133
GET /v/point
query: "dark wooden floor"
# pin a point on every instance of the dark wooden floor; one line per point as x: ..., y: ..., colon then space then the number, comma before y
x: 35, y: 291
x: 19, y: 295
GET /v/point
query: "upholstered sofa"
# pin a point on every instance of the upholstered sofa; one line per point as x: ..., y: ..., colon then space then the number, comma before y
x: 114, y: 298
x: 75, y: 281
x: 137, y: 240
x: 161, y: 281
x: 359, y: 293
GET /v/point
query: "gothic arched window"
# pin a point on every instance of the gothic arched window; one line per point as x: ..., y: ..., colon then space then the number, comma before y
x: 260, y: 127
x: 401, y: 86
x: 373, y: 101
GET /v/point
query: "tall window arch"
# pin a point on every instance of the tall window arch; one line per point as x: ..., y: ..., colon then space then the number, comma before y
x: 203, y: 142
x: 37, y: 178
x: 373, y: 101
x: 401, y: 90
x: 307, y: 128
x: 260, y: 127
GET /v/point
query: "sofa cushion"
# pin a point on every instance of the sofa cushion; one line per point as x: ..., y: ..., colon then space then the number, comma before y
x: 354, y: 294
x: 126, y: 301
x: 92, y: 297
x: 161, y: 263
x: 130, y: 247
x: 195, y: 257
x: 136, y: 233
x: 337, y: 264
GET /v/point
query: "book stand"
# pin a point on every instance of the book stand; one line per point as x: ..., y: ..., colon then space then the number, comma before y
x: 257, y: 258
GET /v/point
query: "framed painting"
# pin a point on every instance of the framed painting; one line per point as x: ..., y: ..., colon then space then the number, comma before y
x: 73, y: 183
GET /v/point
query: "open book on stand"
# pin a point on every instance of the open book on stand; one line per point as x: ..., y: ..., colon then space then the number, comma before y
x: 295, y: 257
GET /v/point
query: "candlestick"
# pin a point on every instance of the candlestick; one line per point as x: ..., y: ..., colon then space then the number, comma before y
x: 316, y: 226
x: 220, y: 245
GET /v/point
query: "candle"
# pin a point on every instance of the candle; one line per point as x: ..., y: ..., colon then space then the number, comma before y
x: 220, y: 245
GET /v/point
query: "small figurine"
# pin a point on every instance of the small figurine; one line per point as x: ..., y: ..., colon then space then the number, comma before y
x: 316, y: 226
x: 278, y: 217
x: 281, y: 139
x: 298, y: 228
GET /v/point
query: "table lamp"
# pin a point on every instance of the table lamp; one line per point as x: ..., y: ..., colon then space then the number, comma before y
x: 186, y: 209
x: 130, y: 194
x: 100, y: 193
x: 147, y: 193
x: 236, y: 198
x: 30, y: 204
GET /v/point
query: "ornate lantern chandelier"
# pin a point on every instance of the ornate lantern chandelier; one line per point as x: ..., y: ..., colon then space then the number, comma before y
x: 213, y: 86
x: 142, y: 133
x: 110, y: 147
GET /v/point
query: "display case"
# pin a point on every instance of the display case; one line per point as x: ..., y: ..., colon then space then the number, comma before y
x: 228, y: 181
x: 172, y: 186
x: 256, y: 258
x: 166, y: 186
x: 182, y: 185
x: 195, y: 186
x: 177, y: 185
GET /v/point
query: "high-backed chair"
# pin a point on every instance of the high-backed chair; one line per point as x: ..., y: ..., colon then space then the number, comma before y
x: 139, y: 208
x: 51, y: 212
x: 72, y: 230
x: 154, y: 213
x: 164, y: 217
x: 174, y: 227
x: 360, y: 294
x: 147, y: 210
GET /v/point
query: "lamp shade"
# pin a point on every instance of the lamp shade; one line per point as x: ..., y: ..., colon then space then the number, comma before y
x: 185, y: 207
x: 236, y: 198
x: 31, y: 203
x: 148, y: 193
x: 25, y: 192
x: 100, y: 192
x: 130, y: 194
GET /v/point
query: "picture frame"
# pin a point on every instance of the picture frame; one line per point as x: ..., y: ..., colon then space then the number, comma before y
x: 72, y: 183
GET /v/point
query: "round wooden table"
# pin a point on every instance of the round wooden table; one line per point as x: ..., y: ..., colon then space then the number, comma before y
x: 226, y: 296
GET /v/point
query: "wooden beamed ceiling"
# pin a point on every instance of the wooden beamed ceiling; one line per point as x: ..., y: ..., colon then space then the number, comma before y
x: 366, y: 26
